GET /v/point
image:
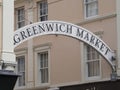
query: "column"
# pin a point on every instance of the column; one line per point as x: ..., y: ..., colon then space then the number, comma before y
x: 30, y: 67
x: 7, y: 50
x: 118, y: 34
x: 0, y: 30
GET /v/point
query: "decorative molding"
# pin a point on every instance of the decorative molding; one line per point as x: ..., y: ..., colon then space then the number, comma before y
x: 20, y: 51
x: 97, y: 18
x: 42, y: 46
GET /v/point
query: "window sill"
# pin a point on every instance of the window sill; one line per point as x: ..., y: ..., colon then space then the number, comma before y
x: 91, y: 17
x: 96, y: 18
x: 20, y: 87
x: 42, y: 86
x: 94, y: 78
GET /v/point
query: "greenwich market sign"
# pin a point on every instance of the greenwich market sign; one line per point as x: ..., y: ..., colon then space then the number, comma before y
x: 67, y: 29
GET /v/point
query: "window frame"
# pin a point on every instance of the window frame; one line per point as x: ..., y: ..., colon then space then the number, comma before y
x: 42, y: 9
x: 41, y: 64
x: 18, y: 54
x: 85, y: 11
x: 37, y: 65
x: 18, y: 16
x: 88, y: 61
x: 20, y: 71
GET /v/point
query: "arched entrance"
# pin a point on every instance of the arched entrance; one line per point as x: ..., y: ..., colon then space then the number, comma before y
x: 67, y: 29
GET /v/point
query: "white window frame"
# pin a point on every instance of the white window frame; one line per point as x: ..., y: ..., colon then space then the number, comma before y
x: 43, y: 66
x: 42, y: 10
x: 85, y: 9
x: 37, y: 66
x: 21, y: 15
x: 21, y: 71
x: 86, y: 65
x: 18, y: 54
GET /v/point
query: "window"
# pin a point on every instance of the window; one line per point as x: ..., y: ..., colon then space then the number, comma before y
x: 43, y: 66
x: 91, y: 8
x: 42, y: 74
x: 21, y: 70
x: 92, y: 62
x: 20, y: 17
x: 43, y: 10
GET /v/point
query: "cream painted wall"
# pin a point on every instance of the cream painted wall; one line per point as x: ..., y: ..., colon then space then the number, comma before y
x: 64, y: 58
x: 106, y: 7
x: 69, y: 11
x: 65, y: 52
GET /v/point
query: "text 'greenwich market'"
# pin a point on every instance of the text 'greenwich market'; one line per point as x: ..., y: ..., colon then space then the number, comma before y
x: 61, y: 28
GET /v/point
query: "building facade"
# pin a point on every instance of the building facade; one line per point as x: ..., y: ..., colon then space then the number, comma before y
x: 53, y: 61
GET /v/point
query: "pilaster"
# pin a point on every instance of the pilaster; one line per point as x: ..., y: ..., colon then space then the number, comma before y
x: 118, y: 34
x: 7, y: 49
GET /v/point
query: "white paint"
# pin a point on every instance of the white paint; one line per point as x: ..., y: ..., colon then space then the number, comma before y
x: 67, y: 29
x: 8, y: 29
x: 118, y: 31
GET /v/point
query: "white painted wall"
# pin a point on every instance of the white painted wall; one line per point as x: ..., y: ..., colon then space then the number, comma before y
x: 118, y: 31
x: 8, y: 28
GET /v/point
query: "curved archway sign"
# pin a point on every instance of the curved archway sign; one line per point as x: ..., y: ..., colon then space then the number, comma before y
x: 67, y: 29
